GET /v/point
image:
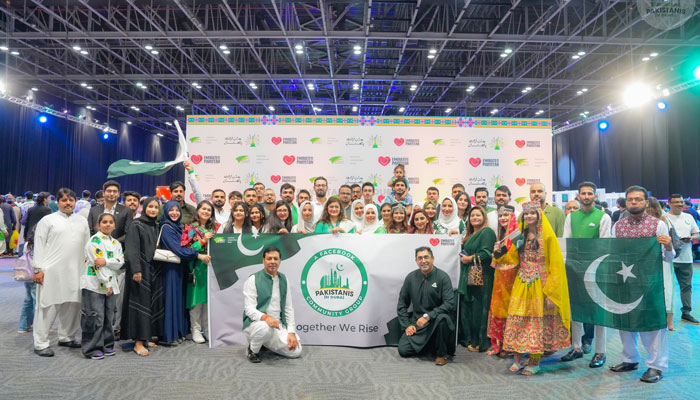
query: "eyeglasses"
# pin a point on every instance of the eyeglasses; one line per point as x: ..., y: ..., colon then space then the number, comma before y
x: 423, y: 258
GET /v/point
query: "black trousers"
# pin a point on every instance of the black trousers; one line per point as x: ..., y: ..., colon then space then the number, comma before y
x: 96, y: 319
x: 440, y: 342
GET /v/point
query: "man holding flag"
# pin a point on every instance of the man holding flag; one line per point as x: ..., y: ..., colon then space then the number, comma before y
x: 639, y: 224
x: 588, y: 222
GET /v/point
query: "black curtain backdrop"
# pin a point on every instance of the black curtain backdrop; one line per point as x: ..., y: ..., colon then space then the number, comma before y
x: 61, y: 153
x: 659, y: 150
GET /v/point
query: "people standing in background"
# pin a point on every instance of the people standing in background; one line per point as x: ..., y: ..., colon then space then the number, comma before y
x: 239, y: 220
x: 36, y: 213
x: 9, y: 220
x: 420, y: 223
x: 655, y: 209
x: 218, y: 199
x: 28, y: 203
x: 385, y: 214
x: 257, y: 217
x: 333, y: 219
x: 368, y: 194
x: 357, y: 213
x: 356, y: 191
x: 448, y: 223
x: 501, y: 197
x: 280, y: 219
x: 287, y: 194
x: 99, y: 198
x: 370, y: 220
x: 400, y: 194
x: 620, y: 210
x: 464, y: 205
x: 306, y: 223
x: 269, y: 199
x: 431, y: 210
x: 687, y: 230
x: 345, y: 197
x: 250, y: 197
x: 303, y: 196
x: 571, y: 206
x: 399, y: 219
x: 26, y: 316
x: 177, y: 192
x: 481, y: 198
x: 259, y: 188
x: 555, y: 216
x: 131, y: 200
x: 457, y: 188
x: 83, y: 204
x: 234, y: 196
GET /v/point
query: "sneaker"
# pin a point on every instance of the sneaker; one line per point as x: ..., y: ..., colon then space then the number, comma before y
x: 197, y: 337
x: 110, y: 353
x: 97, y: 356
x: 23, y: 331
x: 689, y: 319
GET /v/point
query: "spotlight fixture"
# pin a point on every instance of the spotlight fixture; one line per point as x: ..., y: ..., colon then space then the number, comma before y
x: 154, y: 52
x: 584, y: 90
x: 128, y: 122
x: 299, y: 47
x: 575, y: 57
x: 355, y: 86
x: 653, y: 54
x: 159, y: 134
x: 636, y: 94
x: 195, y: 84
x: 402, y: 109
x: 271, y: 108
x: 581, y: 53
x: 696, y: 72
x: 105, y: 136
x: 180, y: 108
x: 168, y: 123
x: 144, y: 87
x: 135, y: 108
x: 227, y: 52
x: 148, y: 47
x: 34, y: 89
x: 311, y: 86
x: 508, y: 50
x: 579, y: 92
x: 448, y: 110
x: 317, y: 109
x: 414, y: 87
x: 84, y: 52
x: 225, y: 108
x: 77, y: 48
x: 357, y: 47
x: 666, y: 92
x: 223, y: 47
x: 603, y: 125
x: 661, y: 105
x: 646, y: 58
x: 14, y: 52
x: 42, y: 119
x: 357, y: 52
x: 83, y: 84
x: 495, y: 110
x: 431, y: 56
x: 299, y: 51
x: 89, y: 87
x: 432, y: 51
x: 354, y: 108
x: 253, y: 85
x: 4, y: 48
x: 504, y: 55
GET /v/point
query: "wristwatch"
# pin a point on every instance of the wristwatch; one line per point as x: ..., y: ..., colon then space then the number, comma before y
x: 427, y: 317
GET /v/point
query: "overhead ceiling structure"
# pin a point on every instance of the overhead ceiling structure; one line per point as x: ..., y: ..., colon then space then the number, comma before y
x: 150, y: 62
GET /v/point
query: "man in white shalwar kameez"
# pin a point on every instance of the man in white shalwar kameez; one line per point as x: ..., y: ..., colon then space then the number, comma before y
x: 59, y: 240
x: 268, y: 318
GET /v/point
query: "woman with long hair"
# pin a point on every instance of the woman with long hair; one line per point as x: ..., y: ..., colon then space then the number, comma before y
x: 257, y: 217
x: 196, y: 237
x: 398, y: 223
x: 430, y: 208
x: 333, y: 219
x: 306, y: 223
x: 238, y: 221
x: 280, y: 219
x: 504, y: 276
x: 464, y: 204
x: 420, y: 223
x: 539, y: 314
x: 370, y: 220
x: 476, y: 279
x: 385, y: 214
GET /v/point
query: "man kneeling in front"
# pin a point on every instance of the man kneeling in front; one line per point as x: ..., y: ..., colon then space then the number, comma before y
x: 430, y: 326
x: 268, y: 318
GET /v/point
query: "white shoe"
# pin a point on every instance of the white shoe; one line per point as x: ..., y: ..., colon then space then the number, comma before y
x: 197, y: 337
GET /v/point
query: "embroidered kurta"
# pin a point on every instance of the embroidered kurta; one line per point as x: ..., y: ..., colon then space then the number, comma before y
x: 192, y: 237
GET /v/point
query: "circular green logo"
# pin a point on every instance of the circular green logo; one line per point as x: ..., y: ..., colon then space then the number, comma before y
x: 334, y: 282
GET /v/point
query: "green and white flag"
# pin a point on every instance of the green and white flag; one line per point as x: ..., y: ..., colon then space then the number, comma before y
x: 129, y: 167
x: 616, y: 283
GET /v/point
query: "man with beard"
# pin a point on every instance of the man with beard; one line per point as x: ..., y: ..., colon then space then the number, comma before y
x: 270, y: 199
x: 555, y: 215
x: 457, y: 188
x: 177, y: 193
x: 481, y: 198
x: 400, y: 195
x: 218, y: 199
x: 640, y: 224
x: 501, y: 198
x: 131, y: 201
x: 303, y: 196
x: 588, y: 222
x: 687, y: 231
x: 287, y: 194
x: 320, y: 189
x: 356, y: 192
x: 59, y: 244
x: 250, y: 197
x: 260, y: 192
x: 345, y: 197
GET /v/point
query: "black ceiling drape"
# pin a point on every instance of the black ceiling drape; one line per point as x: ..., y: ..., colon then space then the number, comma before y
x: 659, y: 150
x: 61, y: 153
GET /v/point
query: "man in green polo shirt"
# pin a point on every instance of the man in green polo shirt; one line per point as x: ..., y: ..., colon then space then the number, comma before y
x: 588, y: 222
x: 555, y: 216
x: 287, y: 194
x: 268, y: 316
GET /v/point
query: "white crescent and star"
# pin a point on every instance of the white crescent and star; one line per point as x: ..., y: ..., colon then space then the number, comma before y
x: 246, y: 251
x: 608, y: 304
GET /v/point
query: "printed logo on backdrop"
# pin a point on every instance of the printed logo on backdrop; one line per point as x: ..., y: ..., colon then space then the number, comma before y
x: 231, y: 178
x: 212, y: 159
x: 374, y: 142
x: 439, y: 142
x: 490, y: 162
x: 305, y: 160
x: 665, y: 14
x: 243, y: 159
x: 376, y: 179
x: 474, y: 161
x: 496, y: 181
x: 497, y: 143
x: 336, y: 160
x: 352, y: 179
x: 528, y: 181
x: 354, y: 141
x: 519, y: 200
x: 252, y: 140
x: 414, y: 181
x: 315, y: 140
x: 535, y: 162
x: 196, y: 158
x: 252, y: 177
x: 276, y: 140
x: 432, y: 160
x: 529, y: 143
x: 477, y: 181
x: 399, y: 160
x: 408, y: 142
x: 476, y: 143
x: 288, y: 159
x: 233, y: 140
x: 334, y: 282
x: 194, y: 139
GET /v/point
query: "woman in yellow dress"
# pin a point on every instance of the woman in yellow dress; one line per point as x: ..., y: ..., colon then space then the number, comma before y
x: 538, y: 314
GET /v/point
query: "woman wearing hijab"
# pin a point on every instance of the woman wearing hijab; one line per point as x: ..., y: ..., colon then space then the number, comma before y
x: 195, y: 236
x: 504, y: 276
x: 174, y: 321
x: 144, y: 296
x: 448, y: 222
x: 280, y: 219
x: 306, y: 223
x: 370, y: 220
x: 539, y: 314
x: 357, y: 213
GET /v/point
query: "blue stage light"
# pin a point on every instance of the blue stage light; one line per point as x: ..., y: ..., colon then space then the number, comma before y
x: 105, y: 136
x: 42, y: 119
x: 661, y: 105
x: 603, y: 125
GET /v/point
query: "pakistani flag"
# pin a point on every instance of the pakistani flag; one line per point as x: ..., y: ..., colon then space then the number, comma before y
x: 242, y: 250
x: 129, y: 167
x: 616, y: 283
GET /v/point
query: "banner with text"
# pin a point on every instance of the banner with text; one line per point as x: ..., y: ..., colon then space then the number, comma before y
x: 234, y: 152
x: 344, y: 287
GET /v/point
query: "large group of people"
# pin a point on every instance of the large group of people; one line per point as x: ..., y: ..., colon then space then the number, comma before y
x: 137, y: 269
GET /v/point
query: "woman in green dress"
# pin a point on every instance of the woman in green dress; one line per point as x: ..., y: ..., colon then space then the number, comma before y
x: 333, y: 219
x: 370, y: 220
x: 475, y: 286
x: 448, y: 222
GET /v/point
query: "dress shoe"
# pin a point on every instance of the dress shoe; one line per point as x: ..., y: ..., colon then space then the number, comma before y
x: 652, y: 375
x: 72, y: 344
x: 47, y: 352
x: 624, y: 367
x: 440, y: 361
x: 572, y: 355
x: 690, y: 319
x: 598, y: 360
x: 586, y: 348
x: 253, y: 357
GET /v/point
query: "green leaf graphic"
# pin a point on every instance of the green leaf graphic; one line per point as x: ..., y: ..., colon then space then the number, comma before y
x: 438, y: 141
x: 315, y: 139
x: 194, y: 139
x: 430, y: 159
x: 437, y: 181
x: 520, y: 161
x: 241, y: 158
x: 335, y: 159
x: 519, y: 200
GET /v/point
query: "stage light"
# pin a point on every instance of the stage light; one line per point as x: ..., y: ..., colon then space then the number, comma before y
x: 223, y: 47
x: 159, y: 134
x: 227, y: 52
x: 508, y: 50
x: 646, y: 58
x: 89, y: 87
x: 2, y: 87
x: 504, y: 55
x: 299, y: 51
x: 225, y: 108
x: 661, y: 105
x: 311, y: 86
x: 42, y: 119
x: 128, y: 122
x: 584, y: 90
x: 357, y: 47
x: 696, y: 72
x: 432, y: 51
x: 447, y: 111
x: 636, y: 94
x: 357, y: 52
x: 14, y: 53
x: 414, y: 87
x: 83, y: 84
x: 494, y: 111
x: 105, y: 136
x: 154, y: 52
x: 666, y: 92
x: 168, y: 123
x: 575, y: 57
x: 654, y: 54
x: 299, y: 47
x: 431, y: 56
x: 354, y: 108
x: 603, y: 125
x: 105, y: 129
x: 271, y: 108
x: 402, y: 109
x: 84, y: 52
x: 4, y: 48
x: 148, y: 47
x: 581, y: 53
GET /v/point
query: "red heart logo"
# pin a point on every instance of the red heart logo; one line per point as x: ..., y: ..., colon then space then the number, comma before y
x: 435, y: 241
x: 276, y: 140
x: 398, y: 141
x: 520, y: 143
x: 381, y: 198
x: 196, y: 158
x: 194, y: 199
x: 475, y: 161
x: 275, y: 178
x: 519, y: 181
x: 384, y: 161
x: 289, y: 160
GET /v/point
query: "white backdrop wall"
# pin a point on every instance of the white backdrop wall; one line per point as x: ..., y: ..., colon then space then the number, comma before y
x: 233, y: 152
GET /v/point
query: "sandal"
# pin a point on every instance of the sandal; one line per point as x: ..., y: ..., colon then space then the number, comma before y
x: 491, y: 352
x: 515, y: 367
x: 474, y: 349
x: 143, y: 352
x: 152, y: 345
x: 530, y: 370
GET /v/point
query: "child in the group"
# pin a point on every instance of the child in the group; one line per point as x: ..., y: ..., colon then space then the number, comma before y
x: 98, y: 283
x: 400, y: 172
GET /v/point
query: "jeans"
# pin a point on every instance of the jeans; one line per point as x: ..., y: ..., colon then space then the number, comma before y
x: 26, y: 317
x: 96, y: 318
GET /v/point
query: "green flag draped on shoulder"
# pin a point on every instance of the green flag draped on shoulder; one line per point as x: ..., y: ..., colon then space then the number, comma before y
x: 128, y: 167
x: 616, y: 283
